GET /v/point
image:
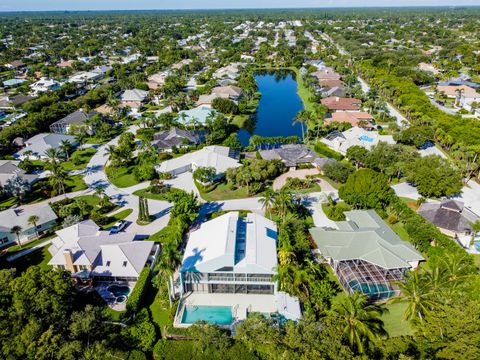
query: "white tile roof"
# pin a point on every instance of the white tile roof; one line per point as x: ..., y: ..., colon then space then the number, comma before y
x: 219, y: 243
x: 19, y: 217
x: 210, y: 156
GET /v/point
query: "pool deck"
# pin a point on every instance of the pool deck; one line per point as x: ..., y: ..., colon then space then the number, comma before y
x: 241, y: 304
x: 101, y: 288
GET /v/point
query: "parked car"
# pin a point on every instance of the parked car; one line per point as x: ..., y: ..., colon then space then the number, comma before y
x: 119, y: 226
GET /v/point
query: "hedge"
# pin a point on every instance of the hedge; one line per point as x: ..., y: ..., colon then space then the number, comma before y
x: 323, y: 149
x: 135, y: 300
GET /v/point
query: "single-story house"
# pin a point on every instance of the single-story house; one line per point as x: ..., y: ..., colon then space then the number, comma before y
x: 39, y: 143
x: 429, y: 68
x: 459, y: 91
x: 44, y: 85
x: 231, y: 261
x: 326, y: 74
x: 220, y: 158
x: 452, y: 218
x: 19, y: 217
x: 157, y: 80
x: 13, y: 82
x: 15, y: 64
x: 346, y: 104
x: 77, y: 118
x: 366, y: 254
x: 331, y: 83
x: 355, y: 136
x: 199, y: 114
x: 233, y: 92
x: 65, y: 64
x: 167, y: 139
x: 85, y: 250
x: 292, y: 155
x: 334, y: 91
x: 353, y: 118
x: 9, y: 169
x: 206, y: 100
x: 85, y: 77
x: 133, y: 98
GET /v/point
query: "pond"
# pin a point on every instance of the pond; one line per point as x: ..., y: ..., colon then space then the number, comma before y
x: 277, y: 107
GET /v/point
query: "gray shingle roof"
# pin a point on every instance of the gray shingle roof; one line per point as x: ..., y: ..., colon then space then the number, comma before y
x: 449, y: 215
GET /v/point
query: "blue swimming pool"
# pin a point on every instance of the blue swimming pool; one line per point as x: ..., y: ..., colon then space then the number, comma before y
x: 366, y: 138
x: 217, y: 315
x: 373, y: 291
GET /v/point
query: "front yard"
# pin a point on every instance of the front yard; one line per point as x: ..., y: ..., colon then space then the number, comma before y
x: 222, y: 191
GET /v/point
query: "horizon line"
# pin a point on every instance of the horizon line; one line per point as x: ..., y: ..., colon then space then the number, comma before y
x: 254, y: 8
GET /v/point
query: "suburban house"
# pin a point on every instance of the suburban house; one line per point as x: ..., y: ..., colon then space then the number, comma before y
x: 326, y: 74
x: 429, y: 68
x: 229, y: 263
x: 15, y: 65
x: 157, y: 80
x: 175, y: 137
x: 12, y: 102
x: 292, y: 155
x: 206, y: 100
x: 13, y: 82
x: 331, y: 83
x: 20, y: 217
x: 88, y: 252
x: 133, y: 98
x: 465, y: 95
x: 354, y: 118
x: 85, y: 77
x: 231, y: 71
x: 355, y: 136
x: 452, y: 218
x: 40, y: 143
x: 220, y: 158
x: 44, y: 85
x: 335, y: 103
x: 234, y: 93
x: 65, y: 64
x: 77, y: 118
x: 197, y: 115
x: 333, y: 91
x: 9, y: 169
x: 366, y: 254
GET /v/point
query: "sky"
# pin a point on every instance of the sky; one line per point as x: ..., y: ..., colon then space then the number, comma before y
x: 39, y: 5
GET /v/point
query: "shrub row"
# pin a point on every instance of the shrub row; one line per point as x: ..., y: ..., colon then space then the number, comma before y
x: 136, y: 298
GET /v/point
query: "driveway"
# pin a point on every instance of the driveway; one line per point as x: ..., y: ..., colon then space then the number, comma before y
x: 470, y: 196
x: 298, y: 174
x: 406, y: 190
x: 185, y: 182
x: 314, y: 203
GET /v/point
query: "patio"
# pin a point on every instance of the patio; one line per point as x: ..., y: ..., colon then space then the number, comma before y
x: 102, y: 289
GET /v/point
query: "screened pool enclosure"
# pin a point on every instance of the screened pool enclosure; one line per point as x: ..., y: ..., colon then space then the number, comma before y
x: 374, y: 281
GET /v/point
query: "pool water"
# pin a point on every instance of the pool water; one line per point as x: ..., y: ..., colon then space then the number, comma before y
x: 366, y: 138
x: 373, y: 291
x: 217, y: 315
x: 119, y: 290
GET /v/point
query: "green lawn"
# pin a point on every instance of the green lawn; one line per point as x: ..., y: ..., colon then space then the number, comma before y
x: 92, y: 200
x: 393, y: 320
x: 38, y: 257
x: 75, y: 183
x: 400, y: 231
x: 84, y: 156
x: 303, y: 92
x: 312, y: 188
x: 223, y: 192
x: 163, y: 196
x: 117, y: 217
x: 122, y: 176
x: 8, y: 202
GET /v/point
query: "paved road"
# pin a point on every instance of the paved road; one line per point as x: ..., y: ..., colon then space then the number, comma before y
x: 95, y: 176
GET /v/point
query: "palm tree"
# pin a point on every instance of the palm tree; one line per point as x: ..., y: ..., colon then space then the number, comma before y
x: 53, y: 155
x: 416, y: 291
x: 57, y: 178
x: 360, y: 321
x: 33, y: 220
x: 268, y: 200
x: 17, y: 230
x: 301, y: 118
x: 65, y: 147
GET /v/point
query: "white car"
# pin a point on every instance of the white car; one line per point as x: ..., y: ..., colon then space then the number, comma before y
x: 119, y: 226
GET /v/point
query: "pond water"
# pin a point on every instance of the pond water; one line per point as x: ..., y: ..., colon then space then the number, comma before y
x: 277, y: 107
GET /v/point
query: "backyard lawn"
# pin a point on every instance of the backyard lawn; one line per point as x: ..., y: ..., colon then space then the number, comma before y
x: 122, y: 176
x: 39, y: 257
x: 393, y: 320
x: 223, y: 191
x: 84, y: 156
x: 75, y: 183
x: 400, y: 231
